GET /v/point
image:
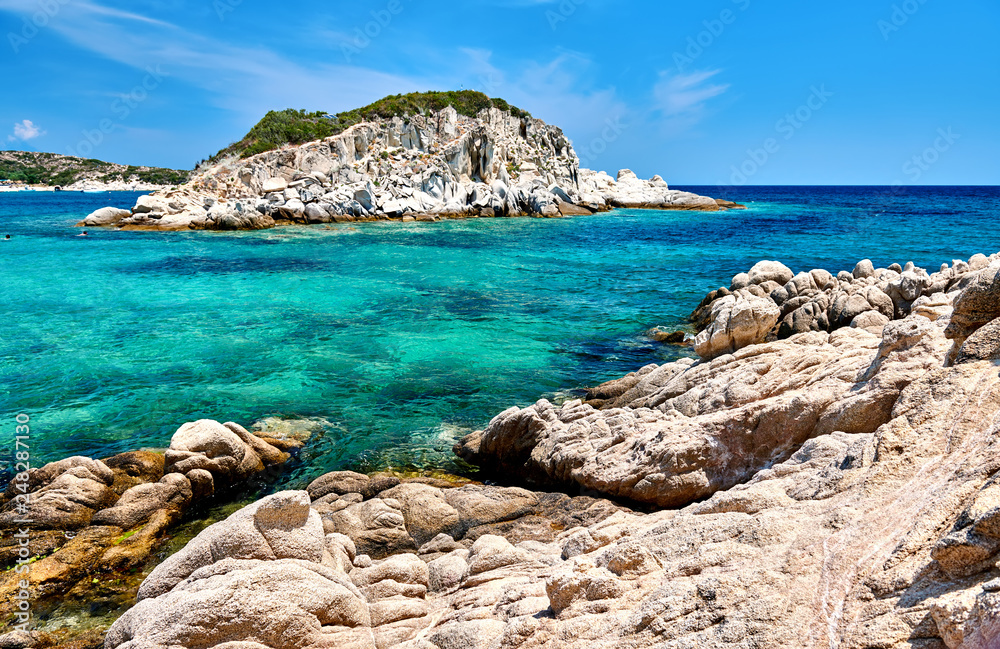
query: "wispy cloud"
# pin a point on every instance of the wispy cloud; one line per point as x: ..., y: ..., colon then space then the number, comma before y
x: 125, y: 15
x: 232, y: 74
x: 249, y: 79
x: 685, y: 94
x: 25, y: 130
x: 682, y: 99
x: 560, y: 90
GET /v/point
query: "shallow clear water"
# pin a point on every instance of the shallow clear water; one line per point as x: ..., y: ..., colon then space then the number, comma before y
x: 398, y: 337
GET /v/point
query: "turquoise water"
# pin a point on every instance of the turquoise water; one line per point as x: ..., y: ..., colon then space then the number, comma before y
x: 398, y: 338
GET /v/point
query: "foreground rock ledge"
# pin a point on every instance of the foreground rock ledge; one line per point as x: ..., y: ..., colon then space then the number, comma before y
x: 101, y: 520
x: 673, y: 434
x: 424, y: 167
x: 881, y: 527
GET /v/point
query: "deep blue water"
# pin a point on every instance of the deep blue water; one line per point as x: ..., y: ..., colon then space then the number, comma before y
x: 397, y: 338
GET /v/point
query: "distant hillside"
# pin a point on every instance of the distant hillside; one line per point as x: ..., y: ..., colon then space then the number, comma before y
x: 290, y: 126
x: 54, y: 169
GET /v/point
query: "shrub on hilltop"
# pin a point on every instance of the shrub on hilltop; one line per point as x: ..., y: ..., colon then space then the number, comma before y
x: 290, y: 126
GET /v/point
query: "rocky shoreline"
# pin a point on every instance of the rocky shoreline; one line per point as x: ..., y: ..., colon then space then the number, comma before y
x: 114, y: 186
x: 88, y: 186
x: 825, y: 475
x: 419, y: 168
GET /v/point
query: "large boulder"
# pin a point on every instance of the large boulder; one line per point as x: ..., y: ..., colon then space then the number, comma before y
x: 158, y: 204
x: 976, y: 306
x: 736, y: 322
x: 236, y: 216
x: 138, y: 504
x: 982, y: 345
x: 228, y: 452
x: 281, y: 604
x: 770, y: 271
x: 59, y: 496
x: 134, y: 468
x: 105, y: 216
x: 274, y: 185
x: 683, y: 431
x: 281, y: 526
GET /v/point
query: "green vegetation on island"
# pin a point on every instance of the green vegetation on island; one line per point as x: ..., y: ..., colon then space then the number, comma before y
x: 289, y: 126
x: 35, y: 168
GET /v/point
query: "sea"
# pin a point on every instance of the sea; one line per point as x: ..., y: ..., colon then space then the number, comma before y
x: 388, y: 342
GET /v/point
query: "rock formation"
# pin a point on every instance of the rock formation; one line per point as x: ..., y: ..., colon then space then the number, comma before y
x: 422, y: 167
x: 866, y: 298
x: 298, y: 570
x: 677, y: 433
x: 880, y: 539
x: 86, y: 517
x: 836, y: 487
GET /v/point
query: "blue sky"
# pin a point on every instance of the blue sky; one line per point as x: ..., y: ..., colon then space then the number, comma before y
x: 714, y: 92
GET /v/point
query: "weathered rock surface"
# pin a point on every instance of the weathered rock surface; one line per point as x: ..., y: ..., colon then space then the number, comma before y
x: 838, y: 489
x: 85, y: 517
x: 138, y: 504
x: 106, y: 216
x: 229, y: 452
x: 736, y: 322
x: 289, y: 572
x: 867, y: 298
x: 975, y: 323
x: 683, y: 431
x: 886, y: 538
x: 434, y: 166
x: 677, y: 433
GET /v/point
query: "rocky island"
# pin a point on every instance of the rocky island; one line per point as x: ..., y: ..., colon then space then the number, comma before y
x: 51, y: 171
x: 823, y: 474
x: 423, y: 156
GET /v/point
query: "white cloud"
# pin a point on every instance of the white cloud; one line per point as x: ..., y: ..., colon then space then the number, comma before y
x: 249, y: 79
x: 558, y: 91
x: 686, y: 94
x: 233, y: 75
x: 682, y: 99
x: 26, y: 130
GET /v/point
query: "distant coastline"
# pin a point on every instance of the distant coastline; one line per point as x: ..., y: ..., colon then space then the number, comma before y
x: 89, y: 187
x: 31, y: 171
